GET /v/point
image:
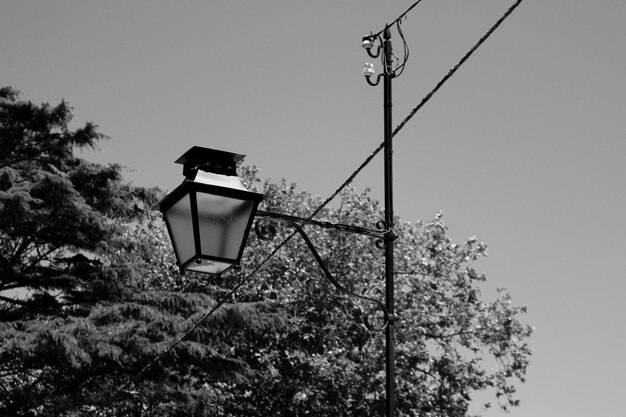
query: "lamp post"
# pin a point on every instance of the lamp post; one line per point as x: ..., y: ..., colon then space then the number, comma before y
x: 209, y: 216
x: 390, y: 236
x: 387, y: 75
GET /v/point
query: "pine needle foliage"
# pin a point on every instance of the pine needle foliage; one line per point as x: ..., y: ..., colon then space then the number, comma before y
x: 88, y: 291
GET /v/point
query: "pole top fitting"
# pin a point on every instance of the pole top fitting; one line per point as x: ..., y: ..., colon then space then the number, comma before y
x: 387, y: 33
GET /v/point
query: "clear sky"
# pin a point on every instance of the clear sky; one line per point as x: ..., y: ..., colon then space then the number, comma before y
x: 524, y: 147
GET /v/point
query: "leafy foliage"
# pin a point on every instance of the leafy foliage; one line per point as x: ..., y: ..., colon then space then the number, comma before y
x: 450, y: 342
x: 89, y: 296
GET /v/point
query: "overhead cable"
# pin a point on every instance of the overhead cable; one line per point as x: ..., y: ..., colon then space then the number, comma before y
x: 399, y: 18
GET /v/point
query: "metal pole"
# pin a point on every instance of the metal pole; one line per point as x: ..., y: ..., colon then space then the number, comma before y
x: 389, y: 236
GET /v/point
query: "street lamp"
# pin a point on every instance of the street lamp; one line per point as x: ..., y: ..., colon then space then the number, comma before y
x: 209, y: 215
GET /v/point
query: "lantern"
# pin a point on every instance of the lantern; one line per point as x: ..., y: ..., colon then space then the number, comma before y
x: 209, y: 215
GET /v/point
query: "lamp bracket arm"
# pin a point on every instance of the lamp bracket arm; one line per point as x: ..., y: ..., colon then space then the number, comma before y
x: 264, y: 232
x: 326, y: 225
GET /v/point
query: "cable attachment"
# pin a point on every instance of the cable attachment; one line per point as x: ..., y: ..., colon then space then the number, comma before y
x: 368, y: 43
x: 390, y: 235
x: 368, y: 78
x: 392, y: 65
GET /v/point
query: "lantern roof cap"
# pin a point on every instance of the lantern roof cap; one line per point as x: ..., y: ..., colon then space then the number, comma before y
x: 209, y: 160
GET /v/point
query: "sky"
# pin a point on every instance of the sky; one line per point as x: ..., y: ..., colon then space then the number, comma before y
x: 523, y: 147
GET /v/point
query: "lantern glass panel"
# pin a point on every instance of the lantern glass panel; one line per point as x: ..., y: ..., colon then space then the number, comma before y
x: 181, y: 228
x: 222, y: 223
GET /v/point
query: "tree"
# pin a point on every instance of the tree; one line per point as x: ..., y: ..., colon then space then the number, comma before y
x: 82, y: 309
x: 325, y: 362
x: 104, y: 325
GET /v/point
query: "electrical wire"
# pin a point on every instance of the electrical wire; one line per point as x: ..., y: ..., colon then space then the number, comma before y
x: 399, y: 17
x: 397, y: 22
x: 401, y: 67
x: 247, y: 278
x: 457, y: 66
